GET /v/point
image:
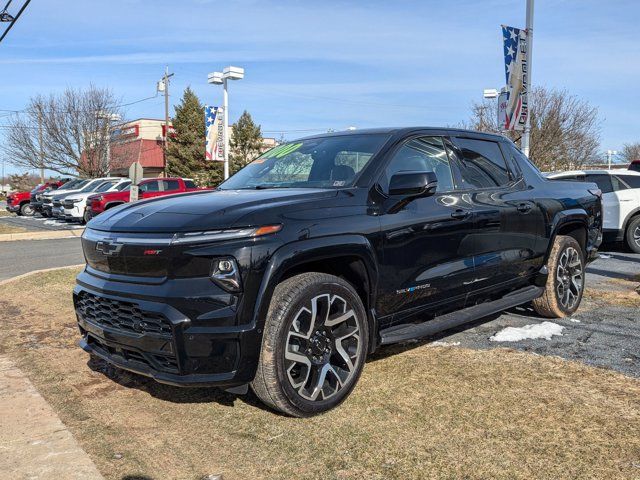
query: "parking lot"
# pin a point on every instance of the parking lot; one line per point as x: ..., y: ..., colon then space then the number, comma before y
x: 37, y: 223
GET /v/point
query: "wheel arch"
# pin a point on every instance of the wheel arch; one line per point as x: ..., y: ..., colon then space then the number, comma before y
x: 113, y: 204
x: 573, y: 223
x: 632, y: 214
x: 348, y: 256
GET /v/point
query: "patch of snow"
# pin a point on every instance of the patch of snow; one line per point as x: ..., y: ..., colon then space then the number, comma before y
x: 439, y: 343
x: 602, y: 255
x: 544, y: 330
x: 574, y: 320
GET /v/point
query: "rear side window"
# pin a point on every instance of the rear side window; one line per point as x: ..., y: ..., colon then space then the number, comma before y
x: 189, y: 184
x: 603, y: 181
x: 633, y: 181
x: 169, y: 185
x: 482, y: 164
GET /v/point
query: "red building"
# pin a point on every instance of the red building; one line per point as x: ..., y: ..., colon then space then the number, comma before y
x: 141, y: 141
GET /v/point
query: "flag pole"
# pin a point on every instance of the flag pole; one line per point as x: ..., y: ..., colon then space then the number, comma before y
x: 526, y: 136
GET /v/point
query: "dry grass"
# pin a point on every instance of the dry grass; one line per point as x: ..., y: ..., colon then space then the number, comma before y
x: 427, y: 412
x: 4, y: 213
x: 4, y: 229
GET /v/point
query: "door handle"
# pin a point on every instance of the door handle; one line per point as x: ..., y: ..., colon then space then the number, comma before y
x: 524, y: 208
x: 460, y: 214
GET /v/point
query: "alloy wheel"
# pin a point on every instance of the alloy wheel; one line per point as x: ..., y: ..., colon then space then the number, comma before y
x: 570, y: 278
x: 636, y: 236
x: 323, y: 345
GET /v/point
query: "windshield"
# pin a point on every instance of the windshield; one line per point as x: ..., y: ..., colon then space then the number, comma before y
x: 321, y: 162
x: 91, y: 186
x: 69, y: 184
x: 104, y: 186
x: 78, y: 186
x: 122, y: 186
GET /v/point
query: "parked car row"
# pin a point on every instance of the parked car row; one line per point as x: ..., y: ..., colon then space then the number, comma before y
x: 79, y: 200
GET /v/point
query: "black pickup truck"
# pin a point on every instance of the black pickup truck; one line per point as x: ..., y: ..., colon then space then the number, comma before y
x: 319, y: 251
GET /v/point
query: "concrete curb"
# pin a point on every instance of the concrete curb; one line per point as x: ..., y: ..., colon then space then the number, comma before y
x: 34, y: 272
x: 49, y: 235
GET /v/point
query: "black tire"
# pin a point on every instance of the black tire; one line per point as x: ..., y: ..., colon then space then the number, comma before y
x: 85, y: 217
x: 565, y: 284
x: 26, y: 210
x: 632, y: 235
x: 336, y: 351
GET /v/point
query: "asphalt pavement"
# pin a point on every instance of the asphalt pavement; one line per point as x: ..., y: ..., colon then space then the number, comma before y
x: 19, y: 257
x: 39, y: 224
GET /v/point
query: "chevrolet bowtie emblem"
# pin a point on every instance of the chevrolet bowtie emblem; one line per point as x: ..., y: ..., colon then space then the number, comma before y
x: 109, y: 249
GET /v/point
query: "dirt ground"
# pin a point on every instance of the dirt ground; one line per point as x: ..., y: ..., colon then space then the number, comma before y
x: 419, y: 411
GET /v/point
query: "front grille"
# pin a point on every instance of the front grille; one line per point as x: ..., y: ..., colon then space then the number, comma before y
x: 124, y: 316
x: 67, y: 204
x: 167, y: 363
x: 46, y: 200
x: 57, y: 203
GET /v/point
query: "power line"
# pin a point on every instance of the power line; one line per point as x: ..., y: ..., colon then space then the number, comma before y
x: 15, y: 19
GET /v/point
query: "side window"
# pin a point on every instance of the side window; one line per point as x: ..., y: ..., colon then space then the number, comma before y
x: 603, y: 181
x: 170, y: 185
x: 618, y: 184
x: 150, y: 186
x: 482, y: 164
x: 423, y: 154
x: 189, y: 184
x: 633, y: 181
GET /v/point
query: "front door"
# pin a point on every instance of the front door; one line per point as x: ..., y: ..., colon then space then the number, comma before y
x: 427, y: 257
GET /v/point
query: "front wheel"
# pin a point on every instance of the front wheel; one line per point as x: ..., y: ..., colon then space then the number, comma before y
x: 85, y: 217
x: 26, y: 210
x: 565, y: 284
x: 633, y: 234
x: 314, y: 345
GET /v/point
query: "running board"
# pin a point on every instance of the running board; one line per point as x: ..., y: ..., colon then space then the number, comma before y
x: 412, y: 331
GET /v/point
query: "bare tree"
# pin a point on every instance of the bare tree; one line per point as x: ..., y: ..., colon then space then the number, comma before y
x: 23, y: 181
x: 74, y: 128
x: 631, y: 151
x: 565, y: 130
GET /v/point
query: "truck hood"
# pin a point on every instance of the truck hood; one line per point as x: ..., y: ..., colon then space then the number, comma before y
x: 204, y: 210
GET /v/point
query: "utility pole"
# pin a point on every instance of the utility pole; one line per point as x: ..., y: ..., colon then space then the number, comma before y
x: 163, y: 86
x: 526, y: 136
x: 610, y: 154
x: 41, y: 150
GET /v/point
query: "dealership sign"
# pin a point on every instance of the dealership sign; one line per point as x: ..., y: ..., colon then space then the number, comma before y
x: 214, y: 133
x: 515, y: 67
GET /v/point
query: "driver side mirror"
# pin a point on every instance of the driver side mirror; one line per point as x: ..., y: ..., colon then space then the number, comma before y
x: 413, y: 184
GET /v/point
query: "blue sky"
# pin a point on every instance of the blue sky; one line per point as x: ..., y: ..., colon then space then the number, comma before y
x: 314, y: 65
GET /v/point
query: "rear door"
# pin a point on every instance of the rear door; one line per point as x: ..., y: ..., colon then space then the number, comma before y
x: 508, y: 220
x: 627, y: 190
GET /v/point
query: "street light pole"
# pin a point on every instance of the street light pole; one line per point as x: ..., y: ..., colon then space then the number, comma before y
x: 165, y: 87
x: 526, y: 136
x: 222, y: 78
x: 225, y: 126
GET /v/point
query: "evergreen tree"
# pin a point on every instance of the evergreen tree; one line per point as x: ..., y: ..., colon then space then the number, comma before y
x: 185, y: 150
x: 246, y: 142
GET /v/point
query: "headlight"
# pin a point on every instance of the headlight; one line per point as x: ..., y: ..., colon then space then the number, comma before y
x: 230, y: 234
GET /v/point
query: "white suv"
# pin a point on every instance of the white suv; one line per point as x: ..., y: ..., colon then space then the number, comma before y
x: 620, y: 202
x: 74, y: 204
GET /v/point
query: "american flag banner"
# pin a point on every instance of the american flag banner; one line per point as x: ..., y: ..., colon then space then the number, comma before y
x: 515, y: 69
x: 214, y: 133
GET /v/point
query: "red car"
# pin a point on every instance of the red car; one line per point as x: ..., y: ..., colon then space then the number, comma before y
x: 20, y: 202
x: 151, y: 187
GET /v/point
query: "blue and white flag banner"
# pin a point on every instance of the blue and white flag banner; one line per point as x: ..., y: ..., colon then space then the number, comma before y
x: 214, y: 133
x: 515, y: 68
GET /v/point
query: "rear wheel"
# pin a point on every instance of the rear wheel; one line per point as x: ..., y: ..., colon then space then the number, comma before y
x: 26, y: 209
x: 565, y: 284
x: 314, y: 345
x: 633, y: 234
x: 85, y: 217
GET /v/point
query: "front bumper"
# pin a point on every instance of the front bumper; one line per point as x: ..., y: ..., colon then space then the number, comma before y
x: 13, y: 208
x: 73, y: 213
x: 182, y: 332
x: 57, y: 212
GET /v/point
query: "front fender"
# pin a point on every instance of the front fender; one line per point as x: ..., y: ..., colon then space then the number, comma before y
x: 300, y: 252
x: 573, y: 217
